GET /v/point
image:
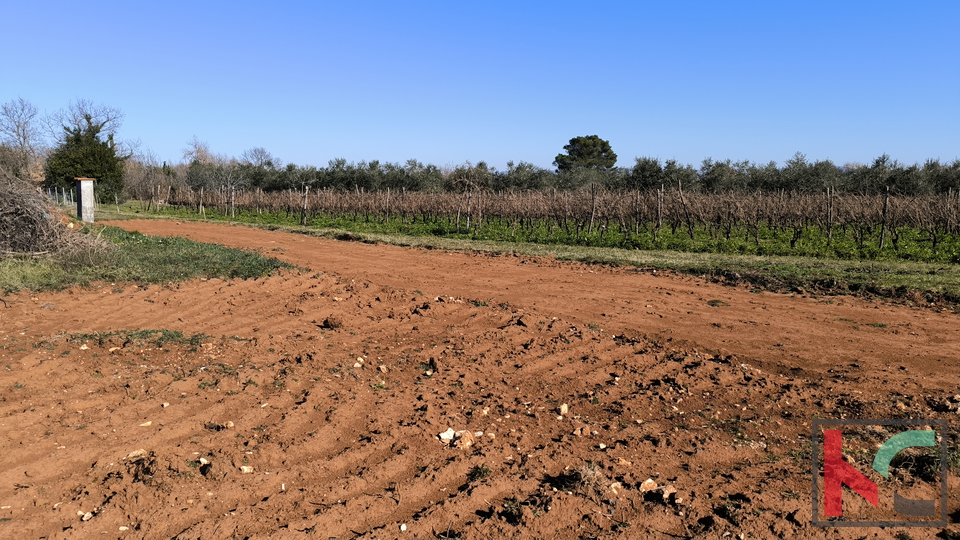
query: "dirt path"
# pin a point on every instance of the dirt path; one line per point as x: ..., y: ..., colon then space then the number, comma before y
x: 310, y: 404
x: 786, y: 331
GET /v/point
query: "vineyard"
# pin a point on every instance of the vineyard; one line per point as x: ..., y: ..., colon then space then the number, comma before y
x: 831, y: 225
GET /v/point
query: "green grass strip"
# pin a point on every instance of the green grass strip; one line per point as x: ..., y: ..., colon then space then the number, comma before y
x: 138, y: 259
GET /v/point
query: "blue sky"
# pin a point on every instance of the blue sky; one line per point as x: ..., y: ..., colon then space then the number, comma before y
x: 450, y: 82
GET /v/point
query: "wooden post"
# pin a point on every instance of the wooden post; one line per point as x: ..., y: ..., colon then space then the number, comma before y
x: 303, y: 213
x: 883, y: 222
x: 830, y: 215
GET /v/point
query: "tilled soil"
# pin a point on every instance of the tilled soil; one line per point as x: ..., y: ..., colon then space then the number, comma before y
x: 585, y: 401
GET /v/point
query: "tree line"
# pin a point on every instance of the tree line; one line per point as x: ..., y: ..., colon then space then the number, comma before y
x: 80, y: 141
x: 798, y: 175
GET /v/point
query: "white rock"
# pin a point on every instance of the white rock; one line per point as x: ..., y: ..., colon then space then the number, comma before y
x: 246, y: 469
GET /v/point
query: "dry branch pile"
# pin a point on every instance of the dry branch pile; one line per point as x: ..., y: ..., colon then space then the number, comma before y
x: 31, y: 226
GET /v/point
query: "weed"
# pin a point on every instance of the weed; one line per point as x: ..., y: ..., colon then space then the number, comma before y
x: 732, y: 507
x: 791, y: 495
x: 512, y: 511
x: 479, y: 472
x: 717, y: 303
x: 588, y: 480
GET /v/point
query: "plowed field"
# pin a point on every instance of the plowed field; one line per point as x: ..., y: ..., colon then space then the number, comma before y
x: 585, y: 401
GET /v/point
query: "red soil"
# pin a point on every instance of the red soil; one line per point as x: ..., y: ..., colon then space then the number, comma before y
x: 708, y: 389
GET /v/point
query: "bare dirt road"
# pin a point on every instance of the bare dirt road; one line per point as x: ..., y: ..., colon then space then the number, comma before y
x: 589, y: 401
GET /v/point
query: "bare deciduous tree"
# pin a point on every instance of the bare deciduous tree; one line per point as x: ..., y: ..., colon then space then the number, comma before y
x: 19, y: 130
x: 260, y: 157
x: 198, y: 151
x: 77, y: 113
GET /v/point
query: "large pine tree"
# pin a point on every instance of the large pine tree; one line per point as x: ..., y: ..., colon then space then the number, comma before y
x: 590, y: 152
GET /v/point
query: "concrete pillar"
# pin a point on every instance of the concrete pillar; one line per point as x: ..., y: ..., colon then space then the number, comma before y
x: 85, y: 200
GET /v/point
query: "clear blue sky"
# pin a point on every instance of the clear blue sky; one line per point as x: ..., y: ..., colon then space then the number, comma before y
x: 446, y: 82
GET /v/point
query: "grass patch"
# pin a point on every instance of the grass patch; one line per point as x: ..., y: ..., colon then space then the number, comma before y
x: 137, y: 258
x: 141, y: 337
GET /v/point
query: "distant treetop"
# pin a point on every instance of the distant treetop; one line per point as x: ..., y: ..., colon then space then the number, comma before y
x: 590, y: 152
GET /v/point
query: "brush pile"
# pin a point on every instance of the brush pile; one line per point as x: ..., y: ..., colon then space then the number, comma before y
x: 31, y: 226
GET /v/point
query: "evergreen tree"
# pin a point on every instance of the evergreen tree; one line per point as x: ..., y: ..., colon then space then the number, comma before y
x: 590, y: 152
x: 83, y: 153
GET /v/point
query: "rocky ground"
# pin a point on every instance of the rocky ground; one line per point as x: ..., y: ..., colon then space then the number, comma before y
x: 390, y: 392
